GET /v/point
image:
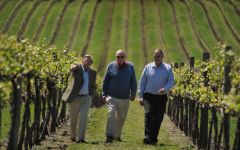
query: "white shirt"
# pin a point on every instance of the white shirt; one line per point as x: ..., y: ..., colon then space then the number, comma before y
x: 154, y: 78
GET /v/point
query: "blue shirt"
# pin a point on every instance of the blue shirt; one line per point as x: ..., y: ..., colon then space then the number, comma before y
x: 84, y: 89
x: 120, y: 82
x: 154, y: 78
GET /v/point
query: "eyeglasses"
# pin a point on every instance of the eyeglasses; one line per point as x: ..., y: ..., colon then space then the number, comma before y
x: 157, y: 56
x: 120, y: 56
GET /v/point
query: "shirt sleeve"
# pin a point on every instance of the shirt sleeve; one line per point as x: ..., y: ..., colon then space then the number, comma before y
x: 133, y: 83
x: 170, y: 81
x: 142, y: 82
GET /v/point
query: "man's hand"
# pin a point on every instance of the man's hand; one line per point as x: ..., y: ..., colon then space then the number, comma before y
x: 104, y: 99
x: 132, y: 98
x: 161, y: 91
x: 73, y: 67
x: 141, y: 102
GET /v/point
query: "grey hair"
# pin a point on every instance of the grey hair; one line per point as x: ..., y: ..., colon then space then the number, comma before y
x: 159, y: 50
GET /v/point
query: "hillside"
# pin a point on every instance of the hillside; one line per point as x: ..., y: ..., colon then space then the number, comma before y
x: 100, y: 27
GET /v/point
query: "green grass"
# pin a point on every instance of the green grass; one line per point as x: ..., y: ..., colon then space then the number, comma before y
x: 152, y: 30
x: 135, y: 53
x: 233, y: 125
x: 49, y: 26
x: 96, y: 42
x: 67, y: 24
x: 6, y: 122
x: 118, y: 30
x: 14, y: 28
x: 231, y: 15
x: 220, y: 25
x: 203, y: 26
x: 132, y: 135
x: 5, y: 13
x: 187, y: 31
x: 84, y: 23
x: 170, y: 33
x: 35, y: 20
x: 160, y: 38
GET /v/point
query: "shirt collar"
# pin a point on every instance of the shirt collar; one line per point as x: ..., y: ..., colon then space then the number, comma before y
x: 85, y: 70
x: 121, y: 66
x: 154, y: 65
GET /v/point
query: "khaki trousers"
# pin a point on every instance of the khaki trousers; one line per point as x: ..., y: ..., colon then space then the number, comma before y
x: 79, y: 116
x: 117, y: 113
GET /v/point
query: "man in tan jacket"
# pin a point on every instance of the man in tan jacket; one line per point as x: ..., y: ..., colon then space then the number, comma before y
x: 79, y: 96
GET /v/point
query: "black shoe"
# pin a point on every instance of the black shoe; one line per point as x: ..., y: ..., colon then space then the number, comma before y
x: 150, y: 142
x: 154, y: 142
x: 146, y: 141
x: 82, y: 141
x: 109, y: 140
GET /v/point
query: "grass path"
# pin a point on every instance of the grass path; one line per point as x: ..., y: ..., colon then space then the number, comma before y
x: 133, y: 132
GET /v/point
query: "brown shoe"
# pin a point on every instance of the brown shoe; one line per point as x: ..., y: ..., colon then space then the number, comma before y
x: 73, y: 139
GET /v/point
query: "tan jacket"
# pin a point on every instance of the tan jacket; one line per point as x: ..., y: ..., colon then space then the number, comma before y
x: 76, y: 82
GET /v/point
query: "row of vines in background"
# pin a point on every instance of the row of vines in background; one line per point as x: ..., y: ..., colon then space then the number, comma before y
x: 33, y: 74
x: 190, y: 81
x: 208, y: 86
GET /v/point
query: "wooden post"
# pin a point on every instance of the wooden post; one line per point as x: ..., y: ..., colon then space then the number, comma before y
x: 181, y: 64
x: 192, y: 61
x: 175, y: 65
x: 226, y: 89
x: 204, y: 112
x: 191, y: 103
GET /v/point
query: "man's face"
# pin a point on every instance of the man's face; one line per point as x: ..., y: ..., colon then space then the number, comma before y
x: 120, y: 57
x: 87, y: 61
x: 158, y: 57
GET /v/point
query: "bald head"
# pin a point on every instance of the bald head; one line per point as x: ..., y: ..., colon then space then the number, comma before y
x: 120, y: 56
x: 120, y: 52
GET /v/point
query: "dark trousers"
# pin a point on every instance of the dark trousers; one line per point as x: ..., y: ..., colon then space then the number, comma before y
x: 154, y: 108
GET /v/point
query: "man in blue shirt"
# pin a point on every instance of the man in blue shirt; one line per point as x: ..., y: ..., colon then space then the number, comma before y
x: 156, y: 81
x: 119, y: 86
